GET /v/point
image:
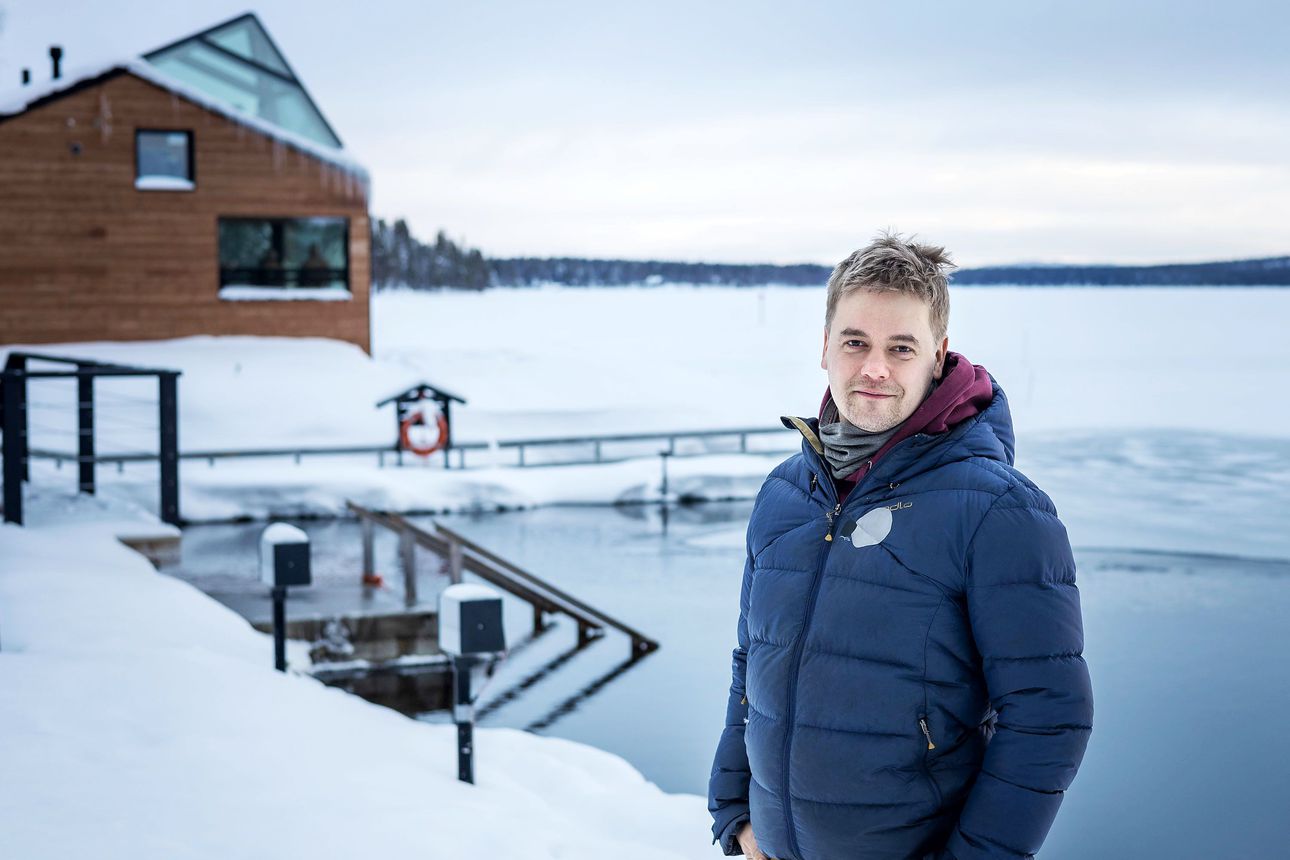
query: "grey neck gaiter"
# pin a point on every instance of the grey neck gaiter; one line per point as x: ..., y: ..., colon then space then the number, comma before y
x: 846, y: 446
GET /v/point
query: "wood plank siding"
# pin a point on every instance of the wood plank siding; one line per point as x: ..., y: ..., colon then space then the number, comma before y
x: 86, y: 256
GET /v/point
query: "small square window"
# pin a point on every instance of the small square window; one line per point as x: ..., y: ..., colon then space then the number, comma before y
x: 163, y: 160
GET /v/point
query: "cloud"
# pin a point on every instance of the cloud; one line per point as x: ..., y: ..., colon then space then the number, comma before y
x: 1098, y: 131
x: 1060, y: 183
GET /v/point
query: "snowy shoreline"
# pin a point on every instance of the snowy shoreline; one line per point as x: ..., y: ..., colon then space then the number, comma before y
x: 151, y: 714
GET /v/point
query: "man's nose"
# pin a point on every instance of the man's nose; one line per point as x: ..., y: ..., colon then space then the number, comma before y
x: 875, y: 367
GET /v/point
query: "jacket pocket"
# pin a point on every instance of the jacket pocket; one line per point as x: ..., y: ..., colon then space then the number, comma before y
x: 925, y: 734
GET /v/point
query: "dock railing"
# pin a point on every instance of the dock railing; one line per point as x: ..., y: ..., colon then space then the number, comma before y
x: 461, y: 555
x: 670, y: 443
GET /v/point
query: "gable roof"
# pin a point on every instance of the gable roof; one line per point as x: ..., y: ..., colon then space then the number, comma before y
x: 225, y: 69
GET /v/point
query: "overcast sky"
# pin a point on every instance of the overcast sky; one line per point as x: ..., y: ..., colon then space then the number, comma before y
x: 747, y: 132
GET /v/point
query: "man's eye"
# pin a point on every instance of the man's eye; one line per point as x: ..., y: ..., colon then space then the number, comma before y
x: 854, y: 344
x: 904, y: 348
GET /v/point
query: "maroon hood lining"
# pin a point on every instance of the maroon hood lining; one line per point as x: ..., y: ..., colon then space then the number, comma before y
x: 964, y: 391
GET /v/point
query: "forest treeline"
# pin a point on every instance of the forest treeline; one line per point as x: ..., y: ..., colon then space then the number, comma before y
x: 400, y: 259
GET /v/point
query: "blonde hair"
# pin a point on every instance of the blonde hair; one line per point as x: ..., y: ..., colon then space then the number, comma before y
x: 892, y: 264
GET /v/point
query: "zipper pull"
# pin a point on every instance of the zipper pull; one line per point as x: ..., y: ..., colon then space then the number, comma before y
x: 922, y: 724
x: 814, y: 480
x: 828, y: 535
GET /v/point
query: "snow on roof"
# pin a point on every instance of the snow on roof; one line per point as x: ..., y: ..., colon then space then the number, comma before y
x: 19, y: 101
x: 395, y: 395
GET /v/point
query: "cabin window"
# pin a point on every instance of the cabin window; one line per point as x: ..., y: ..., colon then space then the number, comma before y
x: 283, y: 254
x: 163, y: 160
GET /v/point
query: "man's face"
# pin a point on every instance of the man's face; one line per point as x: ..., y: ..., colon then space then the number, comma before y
x: 881, y: 357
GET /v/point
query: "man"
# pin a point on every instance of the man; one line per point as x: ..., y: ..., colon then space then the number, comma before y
x: 909, y: 679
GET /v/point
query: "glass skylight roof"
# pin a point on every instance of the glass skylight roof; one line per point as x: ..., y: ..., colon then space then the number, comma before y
x: 238, y: 64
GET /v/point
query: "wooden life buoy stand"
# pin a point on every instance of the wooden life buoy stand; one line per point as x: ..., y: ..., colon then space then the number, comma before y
x: 417, y: 418
x: 416, y: 410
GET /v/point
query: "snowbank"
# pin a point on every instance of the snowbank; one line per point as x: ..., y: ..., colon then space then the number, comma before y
x: 276, y: 487
x: 142, y: 719
x: 235, y: 392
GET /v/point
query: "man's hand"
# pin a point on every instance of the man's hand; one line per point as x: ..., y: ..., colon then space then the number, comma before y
x: 748, y: 842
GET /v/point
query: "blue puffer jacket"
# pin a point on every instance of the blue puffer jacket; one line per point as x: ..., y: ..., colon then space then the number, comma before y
x: 909, y: 680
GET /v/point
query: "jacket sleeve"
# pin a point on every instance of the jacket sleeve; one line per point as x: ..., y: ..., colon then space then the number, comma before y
x: 1024, y: 610
x: 728, y: 782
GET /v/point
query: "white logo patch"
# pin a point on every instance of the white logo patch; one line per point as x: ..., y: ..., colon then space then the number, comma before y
x: 871, y: 528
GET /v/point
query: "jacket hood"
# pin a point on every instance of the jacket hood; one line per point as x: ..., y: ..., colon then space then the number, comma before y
x: 968, y: 402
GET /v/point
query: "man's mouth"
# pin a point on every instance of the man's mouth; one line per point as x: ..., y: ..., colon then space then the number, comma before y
x: 874, y: 395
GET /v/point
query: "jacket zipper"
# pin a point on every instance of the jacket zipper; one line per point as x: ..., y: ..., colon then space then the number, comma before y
x: 796, y: 665
x: 828, y: 533
x: 927, y: 771
x: 927, y: 733
x: 791, y: 712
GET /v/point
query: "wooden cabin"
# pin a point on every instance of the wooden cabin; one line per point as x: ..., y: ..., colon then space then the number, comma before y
x: 196, y: 190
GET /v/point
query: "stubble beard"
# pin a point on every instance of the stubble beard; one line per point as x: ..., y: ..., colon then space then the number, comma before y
x: 871, y: 419
x: 887, y: 415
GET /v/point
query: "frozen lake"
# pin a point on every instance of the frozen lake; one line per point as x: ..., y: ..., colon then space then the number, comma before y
x: 1187, y: 647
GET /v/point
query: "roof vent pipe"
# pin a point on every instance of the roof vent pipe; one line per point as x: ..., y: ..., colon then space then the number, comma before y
x: 56, y: 54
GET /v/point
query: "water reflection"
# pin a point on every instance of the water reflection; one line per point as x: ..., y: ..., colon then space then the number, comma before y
x: 410, y: 690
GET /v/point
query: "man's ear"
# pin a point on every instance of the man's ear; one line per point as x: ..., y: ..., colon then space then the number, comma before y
x: 940, y: 358
x: 824, y: 352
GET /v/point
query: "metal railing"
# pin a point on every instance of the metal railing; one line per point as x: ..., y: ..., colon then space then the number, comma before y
x: 15, y: 411
x: 594, y: 445
x: 461, y: 555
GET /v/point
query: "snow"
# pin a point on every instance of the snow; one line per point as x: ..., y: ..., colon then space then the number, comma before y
x: 16, y: 101
x: 283, y: 533
x: 309, y: 392
x: 142, y: 719
x: 463, y: 591
x: 163, y: 183
x: 632, y: 359
x: 668, y: 358
x: 254, y: 293
x: 153, y: 713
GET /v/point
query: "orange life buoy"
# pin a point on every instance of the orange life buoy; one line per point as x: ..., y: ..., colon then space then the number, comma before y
x: 417, y: 418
